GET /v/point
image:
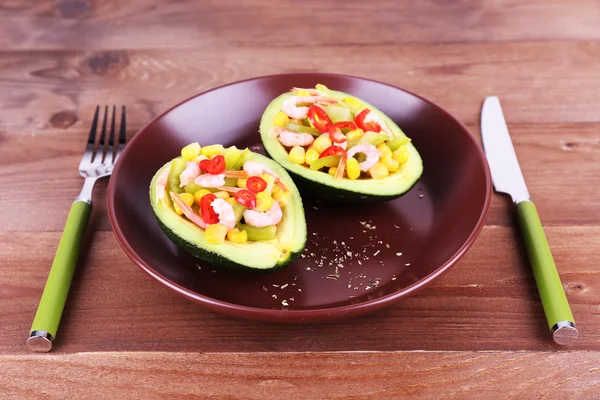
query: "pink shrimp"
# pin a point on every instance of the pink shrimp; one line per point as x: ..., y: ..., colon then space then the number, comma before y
x: 188, y: 212
x: 372, y: 117
x: 189, y: 174
x: 225, y: 212
x: 210, y: 181
x: 293, y: 110
x: 368, y: 150
x: 161, y: 184
x: 290, y: 139
x: 254, y: 168
x: 261, y: 219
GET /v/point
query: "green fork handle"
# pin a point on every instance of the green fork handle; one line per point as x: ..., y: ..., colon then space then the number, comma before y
x: 556, y: 307
x: 50, y: 309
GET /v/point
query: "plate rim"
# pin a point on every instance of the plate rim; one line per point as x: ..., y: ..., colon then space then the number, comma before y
x: 308, y: 315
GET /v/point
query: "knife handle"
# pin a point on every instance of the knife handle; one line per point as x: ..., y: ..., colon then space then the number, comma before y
x: 556, y: 307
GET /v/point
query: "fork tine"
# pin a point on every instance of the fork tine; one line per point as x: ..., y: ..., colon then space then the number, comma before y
x: 122, y: 134
x: 110, y: 152
x: 102, y: 143
x: 89, y: 153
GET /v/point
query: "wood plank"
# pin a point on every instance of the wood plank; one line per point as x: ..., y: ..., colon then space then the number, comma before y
x: 487, y: 302
x: 538, y: 82
x: 561, y: 164
x: 191, y: 24
x: 387, y: 375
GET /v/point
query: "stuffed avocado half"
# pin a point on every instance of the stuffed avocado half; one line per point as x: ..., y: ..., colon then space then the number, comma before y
x: 230, y: 207
x: 339, y: 146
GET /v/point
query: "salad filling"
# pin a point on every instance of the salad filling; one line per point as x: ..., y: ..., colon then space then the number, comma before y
x: 225, y: 193
x: 340, y: 137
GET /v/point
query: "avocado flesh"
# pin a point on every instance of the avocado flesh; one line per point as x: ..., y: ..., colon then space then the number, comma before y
x: 285, y: 248
x: 323, y: 185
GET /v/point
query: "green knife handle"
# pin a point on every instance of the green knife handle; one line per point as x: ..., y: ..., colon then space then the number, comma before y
x: 546, y: 276
x: 55, y: 293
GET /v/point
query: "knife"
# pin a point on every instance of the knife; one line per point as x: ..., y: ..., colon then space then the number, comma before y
x: 508, y: 179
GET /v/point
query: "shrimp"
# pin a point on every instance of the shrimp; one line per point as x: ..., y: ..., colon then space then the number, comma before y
x: 290, y: 139
x: 225, y: 212
x: 254, y: 168
x: 290, y: 105
x: 343, y: 145
x: 161, y: 185
x: 210, y: 181
x: 372, y: 117
x: 188, y: 212
x: 368, y: 150
x: 261, y: 219
x: 191, y: 172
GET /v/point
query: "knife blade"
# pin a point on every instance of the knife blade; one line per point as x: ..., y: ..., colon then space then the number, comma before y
x: 508, y: 178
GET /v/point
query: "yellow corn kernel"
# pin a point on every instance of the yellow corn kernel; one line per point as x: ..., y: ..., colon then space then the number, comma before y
x: 311, y: 155
x: 270, y: 183
x: 384, y: 150
x: 215, y: 233
x: 264, y: 201
x: 352, y: 102
x: 177, y: 209
x: 391, y: 164
x: 231, y: 200
x: 401, y: 155
x: 282, y: 197
x: 302, y: 93
x: 222, y: 195
x: 199, y: 194
x: 241, y: 183
x: 379, y: 171
x: 190, y: 151
x: 332, y: 170
x: 281, y: 119
x: 352, y: 168
x: 321, y: 143
x: 237, y: 236
x: 355, y: 134
x: 212, y: 150
x: 297, y: 154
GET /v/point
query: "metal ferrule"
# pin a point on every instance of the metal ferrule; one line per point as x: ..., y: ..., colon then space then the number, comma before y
x: 40, y: 341
x: 564, y: 332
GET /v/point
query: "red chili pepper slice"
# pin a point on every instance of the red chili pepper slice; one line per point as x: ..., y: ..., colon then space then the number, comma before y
x: 217, y: 165
x: 204, y: 165
x: 369, y: 126
x: 256, y: 184
x: 345, y: 125
x: 245, y: 198
x: 208, y: 213
x: 319, y: 118
x: 336, y: 135
x: 333, y: 151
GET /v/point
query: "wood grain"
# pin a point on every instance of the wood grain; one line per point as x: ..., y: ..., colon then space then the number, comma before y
x: 191, y: 24
x: 487, y: 302
x: 348, y: 376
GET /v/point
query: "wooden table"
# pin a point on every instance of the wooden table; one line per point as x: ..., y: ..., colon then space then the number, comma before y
x: 479, y: 332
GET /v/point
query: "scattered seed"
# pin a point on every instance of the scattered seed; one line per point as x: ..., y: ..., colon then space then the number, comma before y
x: 396, y: 226
x: 359, y: 262
x: 407, y: 264
x: 284, y: 303
x: 387, y: 245
x: 274, y: 285
x: 274, y: 296
x: 398, y: 254
x: 377, y: 252
x: 421, y: 196
x: 265, y: 289
x: 283, y: 286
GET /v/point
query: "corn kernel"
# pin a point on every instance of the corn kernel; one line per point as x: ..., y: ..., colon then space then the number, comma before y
x: 177, y: 209
x: 187, y: 198
x: 352, y: 102
x: 199, y: 194
x: 231, y: 200
x: 384, y: 150
x: 215, y: 233
x: 352, y: 168
x: 222, y: 195
x: 282, y: 197
x: 190, y: 151
x: 321, y: 143
x: 302, y: 93
x: 241, y: 183
x: 401, y: 155
x: 297, y: 154
x: 332, y: 171
x: 264, y: 201
x: 200, y: 158
x: 391, y: 164
x: 355, y: 134
x: 212, y: 150
x: 311, y: 156
x: 379, y: 171
x: 237, y: 236
x: 270, y: 183
x: 281, y: 119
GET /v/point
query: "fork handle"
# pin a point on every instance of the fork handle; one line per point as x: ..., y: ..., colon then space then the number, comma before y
x: 50, y: 308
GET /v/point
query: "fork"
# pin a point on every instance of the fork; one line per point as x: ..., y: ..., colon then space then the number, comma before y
x: 98, y: 160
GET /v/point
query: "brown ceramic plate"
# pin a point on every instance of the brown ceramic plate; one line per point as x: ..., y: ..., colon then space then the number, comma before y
x: 383, y: 252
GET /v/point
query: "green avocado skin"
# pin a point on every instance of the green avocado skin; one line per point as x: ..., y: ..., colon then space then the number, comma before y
x: 215, y: 258
x: 331, y: 194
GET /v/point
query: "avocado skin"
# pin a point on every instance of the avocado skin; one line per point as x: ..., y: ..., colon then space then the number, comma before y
x: 214, y: 258
x: 331, y: 194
